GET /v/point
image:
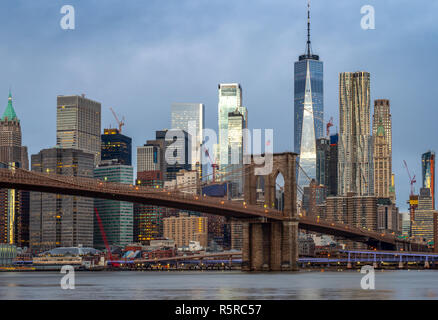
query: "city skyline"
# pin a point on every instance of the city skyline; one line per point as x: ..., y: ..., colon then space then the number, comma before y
x: 370, y: 54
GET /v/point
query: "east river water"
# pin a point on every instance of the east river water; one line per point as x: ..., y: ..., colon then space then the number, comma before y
x: 404, y: 284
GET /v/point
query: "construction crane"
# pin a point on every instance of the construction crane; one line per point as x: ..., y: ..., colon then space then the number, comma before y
x: 329, y: 124
x: 315, y: 116
x: 413, y: 199
x: 411, y: 180
x: 102, y: 232
x: 213, y: 164
x: 120, y: 123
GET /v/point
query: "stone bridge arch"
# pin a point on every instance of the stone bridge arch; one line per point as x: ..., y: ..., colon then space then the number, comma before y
x: 272, y: 245
x: 284, y: 163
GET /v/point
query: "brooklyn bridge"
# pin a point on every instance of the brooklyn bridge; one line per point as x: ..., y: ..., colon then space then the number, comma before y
x: 270, y: 236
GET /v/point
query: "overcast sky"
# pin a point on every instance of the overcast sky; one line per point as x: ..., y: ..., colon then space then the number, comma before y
x: 139, y: 56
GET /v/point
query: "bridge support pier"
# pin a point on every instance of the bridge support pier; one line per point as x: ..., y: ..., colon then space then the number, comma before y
x: 400, y: 263
x: 270, y: 246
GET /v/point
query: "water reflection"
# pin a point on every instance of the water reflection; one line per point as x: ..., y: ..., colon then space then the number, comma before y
x: 220, y: 285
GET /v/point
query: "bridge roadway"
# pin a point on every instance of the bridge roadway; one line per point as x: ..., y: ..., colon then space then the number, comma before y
x: 88, y: 187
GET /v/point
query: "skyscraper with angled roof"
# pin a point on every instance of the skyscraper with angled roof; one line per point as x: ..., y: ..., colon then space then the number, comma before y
x: 11, y: 149
x: 308, y: 109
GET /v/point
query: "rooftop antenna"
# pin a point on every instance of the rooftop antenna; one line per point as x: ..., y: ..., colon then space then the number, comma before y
x: 308, y: 28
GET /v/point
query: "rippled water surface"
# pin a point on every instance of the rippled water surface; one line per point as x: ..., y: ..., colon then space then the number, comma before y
x: 220, y: 285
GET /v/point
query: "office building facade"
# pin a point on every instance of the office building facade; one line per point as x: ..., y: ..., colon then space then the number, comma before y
x: 236, y: 125
x: 168, y: 153
x: 117, y: 217
x: 382, y: 117
x: 59, y: 220
x: 177, y: 152
x: 190, y: 117
x: 388, y: 217
x: 116, y: 146
x: 422, y: 226
x: 382, y: 165
x: 332, y: 187
x: 78, y: 124
x: 322, y: 161
x: 186, y: 228
x: 313, y: 196
x: 357, y: 211
x: 382, y: 156
x: 148, y: 219
x: 14, y: 214
x: 233, y: 119
x: 149, y: 158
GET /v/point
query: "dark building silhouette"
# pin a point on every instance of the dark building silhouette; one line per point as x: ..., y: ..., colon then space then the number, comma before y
x: 116, y: 146
x: 322, y: 161
x: 332, y: 187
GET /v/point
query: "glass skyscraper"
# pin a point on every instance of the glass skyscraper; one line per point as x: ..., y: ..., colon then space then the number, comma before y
x: 117, y: 216
x: 428, y: 170
x: 308, y: 110
x: 190, y: 117
x: 236, y: 124
x: 231, y: 113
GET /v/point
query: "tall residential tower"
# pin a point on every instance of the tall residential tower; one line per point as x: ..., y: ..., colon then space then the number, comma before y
x: 355, y: 149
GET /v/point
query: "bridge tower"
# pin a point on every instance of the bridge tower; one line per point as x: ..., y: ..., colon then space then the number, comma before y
x: 272, y: 245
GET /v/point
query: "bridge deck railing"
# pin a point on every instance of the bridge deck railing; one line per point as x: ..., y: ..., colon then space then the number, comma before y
x: 92, y: 184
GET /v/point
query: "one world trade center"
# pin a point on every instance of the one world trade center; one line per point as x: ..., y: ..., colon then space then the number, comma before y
x: 308, y: 110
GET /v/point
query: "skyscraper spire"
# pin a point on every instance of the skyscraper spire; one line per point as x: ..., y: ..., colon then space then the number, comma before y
x: 9, y: 112
x: 308, y: 28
